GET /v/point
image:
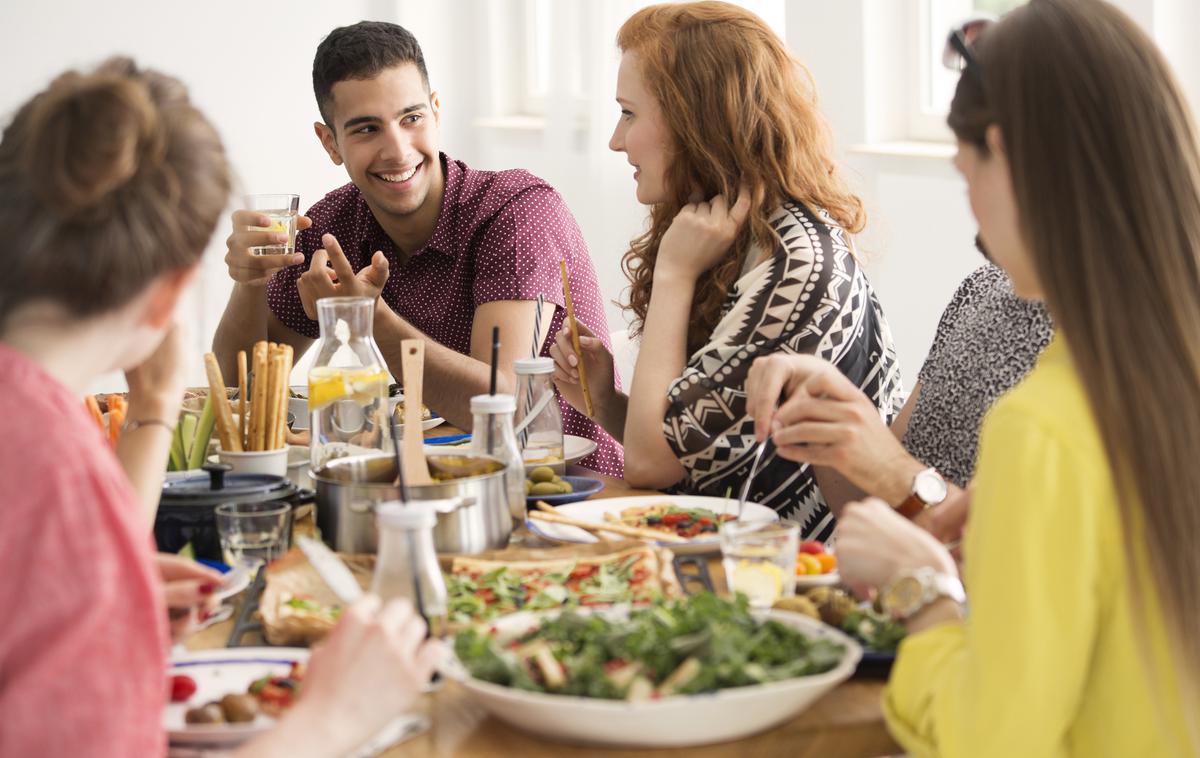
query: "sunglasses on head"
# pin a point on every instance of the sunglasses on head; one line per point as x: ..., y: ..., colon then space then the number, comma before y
x: 957, y: 55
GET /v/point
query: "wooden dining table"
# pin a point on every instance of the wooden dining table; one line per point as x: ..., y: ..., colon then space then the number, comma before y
x: 847, y: 722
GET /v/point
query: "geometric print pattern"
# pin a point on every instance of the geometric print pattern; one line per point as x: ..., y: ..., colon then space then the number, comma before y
x: 810, y: 296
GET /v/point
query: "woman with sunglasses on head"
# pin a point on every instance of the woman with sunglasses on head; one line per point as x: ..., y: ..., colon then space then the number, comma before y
x: 111, y: 184
x: 748, y: 253
x: 1083, y: 172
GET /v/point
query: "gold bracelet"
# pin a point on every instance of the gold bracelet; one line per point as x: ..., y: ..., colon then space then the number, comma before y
x: 134, y: 425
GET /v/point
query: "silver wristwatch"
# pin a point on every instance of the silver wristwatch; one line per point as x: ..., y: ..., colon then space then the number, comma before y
x: 913, y: 590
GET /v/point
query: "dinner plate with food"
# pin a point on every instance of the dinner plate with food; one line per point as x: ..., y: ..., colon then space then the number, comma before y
x: 684, y: 523
x: 677, y: 673
x: 223, y: 697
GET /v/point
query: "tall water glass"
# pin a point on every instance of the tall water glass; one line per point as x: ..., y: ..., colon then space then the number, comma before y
x: 281, y: 210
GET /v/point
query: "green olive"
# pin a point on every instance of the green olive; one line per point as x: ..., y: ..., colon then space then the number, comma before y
x: 541, y: 474
x: 545, y: 488
x: 564, y: 487
x: 528, y: 487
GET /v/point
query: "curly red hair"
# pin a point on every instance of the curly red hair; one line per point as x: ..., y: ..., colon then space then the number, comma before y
x: 741, y: 112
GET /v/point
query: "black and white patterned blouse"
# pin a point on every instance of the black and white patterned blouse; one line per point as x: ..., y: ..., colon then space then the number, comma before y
x: 811, y: 297
x: 987, y: 340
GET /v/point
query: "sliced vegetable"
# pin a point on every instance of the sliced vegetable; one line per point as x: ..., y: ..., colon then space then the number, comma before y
x: 197, y: 447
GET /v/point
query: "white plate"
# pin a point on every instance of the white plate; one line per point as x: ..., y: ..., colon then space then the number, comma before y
x: 575, y: 449
x: 678, y: 721
x: 218, y: 673
x: 818, y: 580
x: 594, y: 510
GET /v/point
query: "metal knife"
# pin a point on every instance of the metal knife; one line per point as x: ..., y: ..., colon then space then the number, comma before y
x: 331, y: 569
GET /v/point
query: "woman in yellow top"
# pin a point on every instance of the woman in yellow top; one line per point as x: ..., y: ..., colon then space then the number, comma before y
x: 1082, y: 553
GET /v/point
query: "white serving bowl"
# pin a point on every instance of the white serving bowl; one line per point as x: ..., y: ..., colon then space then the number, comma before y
x: 274, y: 462
x: 677, y: 721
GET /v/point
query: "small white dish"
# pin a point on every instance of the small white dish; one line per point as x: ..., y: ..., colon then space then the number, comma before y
x: 575, y: 449
x: 808, y: 581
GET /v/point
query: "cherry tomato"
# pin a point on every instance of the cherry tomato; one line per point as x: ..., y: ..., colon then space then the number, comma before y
x: 812, y: 547
x: 812, y: 566
x: 182, y: 688
x: 828, y: 562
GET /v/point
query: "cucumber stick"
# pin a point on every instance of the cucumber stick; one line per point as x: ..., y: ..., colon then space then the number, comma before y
x: 199, y: 443
x: 177, y: 460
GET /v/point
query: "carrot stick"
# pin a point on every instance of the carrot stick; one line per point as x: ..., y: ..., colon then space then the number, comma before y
x: 94, y: 408
x: 224, y: 413
x: 574, y: 327
x: 116, y: 417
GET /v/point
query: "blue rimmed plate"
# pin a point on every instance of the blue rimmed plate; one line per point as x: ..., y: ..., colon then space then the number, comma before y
x: 582, y: 488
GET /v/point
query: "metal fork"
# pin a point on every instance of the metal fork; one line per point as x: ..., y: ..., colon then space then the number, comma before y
x: 758, y: 454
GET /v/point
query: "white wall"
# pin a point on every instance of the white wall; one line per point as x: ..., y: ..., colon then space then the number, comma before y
x: 248, y: 66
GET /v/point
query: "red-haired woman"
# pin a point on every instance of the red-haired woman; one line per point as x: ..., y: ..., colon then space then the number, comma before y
x: 748, y: 253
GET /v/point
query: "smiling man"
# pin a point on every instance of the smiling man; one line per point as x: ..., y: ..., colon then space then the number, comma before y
x: 447, y: 250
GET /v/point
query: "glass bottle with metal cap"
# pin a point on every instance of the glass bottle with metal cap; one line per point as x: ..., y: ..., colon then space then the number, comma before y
x: 538, y: 420
x: 492, y: 434
x: 406, y: 565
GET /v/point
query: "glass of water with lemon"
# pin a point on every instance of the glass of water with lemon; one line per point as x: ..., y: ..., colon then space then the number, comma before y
x: 759, y: 558
x: 281, y: 212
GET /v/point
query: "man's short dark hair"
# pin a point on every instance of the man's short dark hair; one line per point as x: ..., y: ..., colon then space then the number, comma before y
x: 361, y: 51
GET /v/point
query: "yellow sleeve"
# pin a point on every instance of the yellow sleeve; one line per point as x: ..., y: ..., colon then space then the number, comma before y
x: 1007, y: 681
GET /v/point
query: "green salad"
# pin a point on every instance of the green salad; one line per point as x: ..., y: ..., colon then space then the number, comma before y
x: 699, y: 644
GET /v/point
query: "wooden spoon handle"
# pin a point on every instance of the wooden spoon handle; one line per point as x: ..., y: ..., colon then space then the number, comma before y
x: 412, y: 362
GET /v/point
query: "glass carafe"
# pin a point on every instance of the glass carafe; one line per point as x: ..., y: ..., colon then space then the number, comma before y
x: 347, y: 384
x: 538, y: 420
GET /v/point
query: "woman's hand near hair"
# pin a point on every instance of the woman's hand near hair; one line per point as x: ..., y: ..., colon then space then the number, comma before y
x: 155, y: 395
x: 368, y: 671
x: 607, y: 401
x: 815, y: 415
x: 700, y: 236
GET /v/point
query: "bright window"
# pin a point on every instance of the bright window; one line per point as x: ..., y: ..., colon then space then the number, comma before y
x: 933, y: 83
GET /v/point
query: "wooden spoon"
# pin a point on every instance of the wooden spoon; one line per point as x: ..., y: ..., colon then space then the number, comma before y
x: 416, y: 469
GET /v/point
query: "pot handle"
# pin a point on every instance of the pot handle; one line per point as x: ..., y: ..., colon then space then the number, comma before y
x: 453, y: 505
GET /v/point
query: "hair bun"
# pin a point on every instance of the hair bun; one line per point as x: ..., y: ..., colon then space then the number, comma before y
x: 89, y: 136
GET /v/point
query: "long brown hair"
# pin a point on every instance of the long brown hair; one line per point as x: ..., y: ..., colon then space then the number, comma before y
x: 741, y: 112
x: 107, y: 180
x: 1106, y: 173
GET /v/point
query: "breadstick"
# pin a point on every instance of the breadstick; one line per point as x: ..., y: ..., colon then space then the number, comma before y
x: 285, y: 373
x: 259, y: 398
x: 271, y: 406
x: 242, y: 399
x: 574, y: 327
x: 621, y: 529
x: 220, y: 400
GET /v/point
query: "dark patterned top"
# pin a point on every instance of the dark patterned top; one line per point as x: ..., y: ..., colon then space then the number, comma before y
x: 499, y: 236
x: 812, y: 297
x: 987, y: 341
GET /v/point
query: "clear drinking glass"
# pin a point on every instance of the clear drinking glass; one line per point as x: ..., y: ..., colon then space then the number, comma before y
x: 347, y: 384
x: 282, y: 211
x: 759, y: 558
x: 538, y: 418
x: 254, y: 531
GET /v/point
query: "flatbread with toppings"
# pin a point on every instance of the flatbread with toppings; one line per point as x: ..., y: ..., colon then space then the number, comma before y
x: 688, y: 523
x: 482, y: 589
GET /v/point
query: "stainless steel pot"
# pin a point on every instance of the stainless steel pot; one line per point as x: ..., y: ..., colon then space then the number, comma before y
x: 477, y: 519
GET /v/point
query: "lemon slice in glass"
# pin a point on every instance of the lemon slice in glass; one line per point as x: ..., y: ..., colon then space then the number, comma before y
x: 329, y: 384
x: 761, y: 582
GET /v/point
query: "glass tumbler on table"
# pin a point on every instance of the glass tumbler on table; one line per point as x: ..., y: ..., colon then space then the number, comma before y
x: 538, y: 417
x: 253, y: 531
x: 759, y: 558
x: 281, y: 211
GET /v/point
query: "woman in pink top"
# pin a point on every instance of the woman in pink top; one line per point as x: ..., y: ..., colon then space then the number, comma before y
x: 110, y: 185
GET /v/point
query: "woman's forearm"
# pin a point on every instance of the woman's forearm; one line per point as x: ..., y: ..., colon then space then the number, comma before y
x: 144, y: 447
x: 649, y: 460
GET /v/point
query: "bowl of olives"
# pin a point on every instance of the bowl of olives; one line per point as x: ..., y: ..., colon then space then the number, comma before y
x: 545, y: 485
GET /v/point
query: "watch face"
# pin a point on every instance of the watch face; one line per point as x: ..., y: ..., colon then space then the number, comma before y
x: 903, y: 597
x: 930, y: 487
